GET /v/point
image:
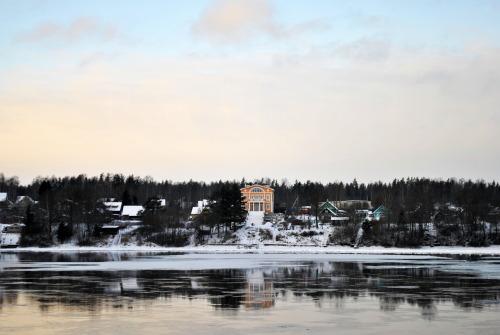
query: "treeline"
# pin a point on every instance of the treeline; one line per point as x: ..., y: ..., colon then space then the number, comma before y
x: 404, y: 193
x: 460, y: 208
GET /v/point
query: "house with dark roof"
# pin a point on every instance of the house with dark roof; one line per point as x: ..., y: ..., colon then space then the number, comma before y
x: 24, y: 201
x: 328, y: 212
x: 113, y: 207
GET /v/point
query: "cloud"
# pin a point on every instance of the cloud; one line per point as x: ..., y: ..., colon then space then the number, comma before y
x: 227, y: 21
x: 75, y: 31
x: 234, y: 21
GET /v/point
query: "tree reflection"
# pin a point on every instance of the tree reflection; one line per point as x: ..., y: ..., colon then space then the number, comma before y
x: 393, y: 284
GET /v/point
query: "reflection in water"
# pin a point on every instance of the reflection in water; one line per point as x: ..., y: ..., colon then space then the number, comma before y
x: 258, y: 292
x: 426, y: 284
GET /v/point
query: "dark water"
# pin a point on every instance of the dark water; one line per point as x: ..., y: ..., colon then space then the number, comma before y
x: 133, y: 293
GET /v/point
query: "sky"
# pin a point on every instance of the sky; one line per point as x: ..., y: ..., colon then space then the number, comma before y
x: 230, y: 89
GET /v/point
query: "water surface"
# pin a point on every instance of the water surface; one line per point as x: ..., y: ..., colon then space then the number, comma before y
x: 140, y: 293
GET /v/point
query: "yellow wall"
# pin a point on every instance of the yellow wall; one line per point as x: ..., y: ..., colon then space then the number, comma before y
x: 258, y: 201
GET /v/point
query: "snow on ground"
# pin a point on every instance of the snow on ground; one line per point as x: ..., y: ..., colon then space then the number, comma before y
x: 257, y: 233
x: 263, y: 249
x: 260, y: 237
x: 254, y: 218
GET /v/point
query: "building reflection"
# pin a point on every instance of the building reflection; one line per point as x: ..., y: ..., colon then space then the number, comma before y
x: 326, y: 284
x: 258, y: 293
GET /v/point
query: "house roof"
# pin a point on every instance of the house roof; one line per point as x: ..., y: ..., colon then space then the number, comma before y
x: 113, y: 206
x: 381, y: 209
x: 328, y: 206
x: 24, y: 197
x: 132, y: 210
x: 266, y: 188
x: 327, y: 210
x: 196, y: 210
x: 201, y: 204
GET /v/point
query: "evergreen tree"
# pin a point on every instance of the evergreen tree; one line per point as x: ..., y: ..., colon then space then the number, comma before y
x: 32, y: 234
x: 151, y: 219
x: 226, y: 206
x: 64, y: 232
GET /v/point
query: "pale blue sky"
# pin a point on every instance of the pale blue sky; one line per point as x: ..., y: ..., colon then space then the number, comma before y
x: 334, y: 90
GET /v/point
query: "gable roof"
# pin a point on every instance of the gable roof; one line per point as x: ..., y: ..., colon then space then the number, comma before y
x: 380, y: 210
x: 196, y: 210
x: 113, y: 206
x: 131, y: 210
x: 24, y: 198
x: 327, y: 206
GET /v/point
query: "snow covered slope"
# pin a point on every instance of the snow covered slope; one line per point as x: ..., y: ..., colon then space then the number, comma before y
x: 255, y: 218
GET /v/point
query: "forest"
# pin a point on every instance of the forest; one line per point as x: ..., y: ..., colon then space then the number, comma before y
x: 464, y: 212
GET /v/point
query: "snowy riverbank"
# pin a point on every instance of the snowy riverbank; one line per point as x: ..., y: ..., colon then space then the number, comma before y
x: 235, y: 249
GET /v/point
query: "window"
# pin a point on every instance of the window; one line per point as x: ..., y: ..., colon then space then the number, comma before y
x: 268, y: 197
x: 256, y: 189
x: 268, y: 207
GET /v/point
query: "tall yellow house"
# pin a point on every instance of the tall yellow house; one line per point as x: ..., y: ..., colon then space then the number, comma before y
x: 258, y: 198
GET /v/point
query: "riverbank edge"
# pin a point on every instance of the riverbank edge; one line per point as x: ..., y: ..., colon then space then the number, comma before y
x: 223, y: 249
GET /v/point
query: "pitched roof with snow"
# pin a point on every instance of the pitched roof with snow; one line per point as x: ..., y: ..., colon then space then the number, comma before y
x: 132, y: 210
x: 199, y: 209
x: 24, y: 198
x: 113, y: 206
x: 327, y: 206
x: 196, y: 211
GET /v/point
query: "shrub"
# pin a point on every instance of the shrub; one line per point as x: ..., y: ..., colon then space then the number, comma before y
x: 170, y: 239
x: 309, y: 233
x: 265, y: 234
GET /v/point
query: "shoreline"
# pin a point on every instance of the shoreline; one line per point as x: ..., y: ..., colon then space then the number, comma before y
x: 222, y: 249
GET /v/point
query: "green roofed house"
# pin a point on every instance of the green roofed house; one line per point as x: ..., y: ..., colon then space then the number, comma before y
x: 379, y: 213
x: 327, y: 207
x: 328, y: 212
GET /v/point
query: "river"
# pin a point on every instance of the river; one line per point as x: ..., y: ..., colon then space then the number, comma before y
x: 159, y: 293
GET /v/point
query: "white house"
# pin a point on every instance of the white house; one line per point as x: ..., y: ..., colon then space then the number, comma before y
x: 197, y: 210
